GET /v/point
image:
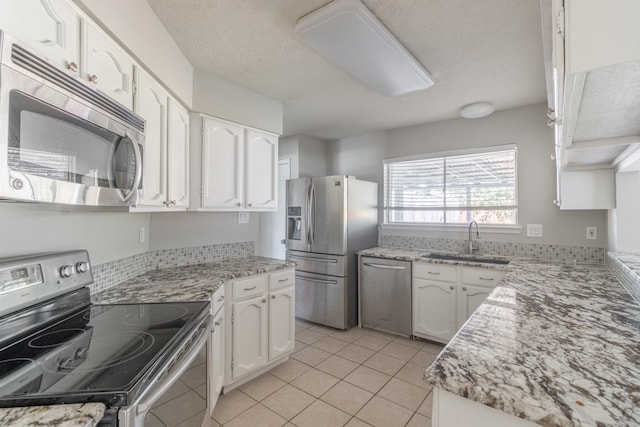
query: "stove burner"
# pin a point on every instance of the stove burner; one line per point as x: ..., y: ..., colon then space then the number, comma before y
x: 168, y: 315
x: 10, y: 365
x: 136, y: 344
x: 55, y: 338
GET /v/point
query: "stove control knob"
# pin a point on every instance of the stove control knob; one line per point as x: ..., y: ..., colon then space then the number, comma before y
x: 82, y: 267
x: 66, y: 271
x: 65, y: 365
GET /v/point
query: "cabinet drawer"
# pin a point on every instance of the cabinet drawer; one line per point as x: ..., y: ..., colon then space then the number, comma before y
x: 281, y: 279
x: 217, y: 301
x: 437, y: 272
x: 250, y: 287
x: 481, y: 276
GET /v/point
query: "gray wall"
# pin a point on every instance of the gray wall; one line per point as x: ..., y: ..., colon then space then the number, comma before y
x: 312, y: 156
x: 362, y: 156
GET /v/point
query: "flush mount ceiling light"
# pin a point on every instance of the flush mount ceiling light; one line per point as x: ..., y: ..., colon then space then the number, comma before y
x: 477, y: 110
x: 350, y: 36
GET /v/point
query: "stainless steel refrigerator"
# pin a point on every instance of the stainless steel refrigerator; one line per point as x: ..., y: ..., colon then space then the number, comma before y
x: 329, y: 219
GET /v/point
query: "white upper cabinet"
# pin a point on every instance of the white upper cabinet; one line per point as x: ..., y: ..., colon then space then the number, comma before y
x: 222, y: 165
x: 262, y: 170
x: 166, y: 158
x: 178, y: 155
x: 106, y: 65
x: 233, y: 167
x: 51, y: 27
x: 151, y: 105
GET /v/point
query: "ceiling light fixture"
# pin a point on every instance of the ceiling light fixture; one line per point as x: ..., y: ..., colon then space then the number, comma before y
x: 476, y: 110
x: 350, y: 36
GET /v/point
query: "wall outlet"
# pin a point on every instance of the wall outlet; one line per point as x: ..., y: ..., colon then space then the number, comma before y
x: 243, y: 217
x: 592, y: 233
x: 142, y: 235
x: 534, y: 230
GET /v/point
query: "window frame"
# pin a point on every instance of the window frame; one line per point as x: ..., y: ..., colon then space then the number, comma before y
x: 436, y: 226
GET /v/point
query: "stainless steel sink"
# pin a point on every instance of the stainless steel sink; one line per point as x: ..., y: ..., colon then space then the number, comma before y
x: 468, y: 258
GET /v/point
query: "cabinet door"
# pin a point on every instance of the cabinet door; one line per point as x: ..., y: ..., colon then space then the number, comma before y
x: 107, y: 66
x: 151, y: 105
x: 178, y: 155
x: 250, y: 345
x: 216, y: 360
x: 282, y: 328
x: 51, y: 27
x: 261, y: 171
x: 222, y: 165
x: 434, y: 309
x: 469, y: 299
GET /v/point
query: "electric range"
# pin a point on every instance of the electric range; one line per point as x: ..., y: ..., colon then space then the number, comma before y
x: 57, y: 347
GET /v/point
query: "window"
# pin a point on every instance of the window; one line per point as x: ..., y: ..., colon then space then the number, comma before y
x: 452, y: 188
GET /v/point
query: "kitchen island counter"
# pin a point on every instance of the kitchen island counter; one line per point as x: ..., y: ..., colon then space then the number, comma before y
x: 187, y: 283
x: 74, y: 415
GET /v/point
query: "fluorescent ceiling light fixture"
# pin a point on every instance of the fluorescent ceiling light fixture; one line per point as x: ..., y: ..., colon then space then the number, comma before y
x: 350, y: 36
x: 477, y: 110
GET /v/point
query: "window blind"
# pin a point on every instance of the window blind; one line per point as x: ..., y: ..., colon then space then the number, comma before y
x: 452, y: 189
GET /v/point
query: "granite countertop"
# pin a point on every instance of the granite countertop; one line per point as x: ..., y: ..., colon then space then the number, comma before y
x: 75, y: 415
x: 555, y: 344
x: 421, y: 256
x: 187, y: 283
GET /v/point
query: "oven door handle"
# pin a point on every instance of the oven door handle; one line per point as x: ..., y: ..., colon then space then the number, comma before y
x: 146, y: 402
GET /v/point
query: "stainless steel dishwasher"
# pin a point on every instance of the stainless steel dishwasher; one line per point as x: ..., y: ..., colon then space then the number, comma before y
x: 385, y: 294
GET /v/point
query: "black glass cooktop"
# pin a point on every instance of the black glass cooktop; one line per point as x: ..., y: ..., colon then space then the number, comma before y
x: 102, y: 353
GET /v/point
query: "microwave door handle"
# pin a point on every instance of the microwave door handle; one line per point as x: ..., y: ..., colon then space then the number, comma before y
x: 138, y: 174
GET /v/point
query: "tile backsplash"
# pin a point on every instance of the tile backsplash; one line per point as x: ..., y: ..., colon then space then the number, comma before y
x: 626, y: 268
x: 112, y: 273
x: 565, y: 254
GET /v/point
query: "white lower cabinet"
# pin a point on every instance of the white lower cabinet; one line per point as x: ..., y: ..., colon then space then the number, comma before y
x: 444, y: 297
x: 215, y: 360
x: 262, y: 330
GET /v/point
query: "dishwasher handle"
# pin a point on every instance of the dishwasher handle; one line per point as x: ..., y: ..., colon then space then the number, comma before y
x: 384, y: 266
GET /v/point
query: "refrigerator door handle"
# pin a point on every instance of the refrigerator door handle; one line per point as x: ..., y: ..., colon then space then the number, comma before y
x: 309, y: 279
x: 308, y: 217
x: 328, y: 261
x: 312, y: 216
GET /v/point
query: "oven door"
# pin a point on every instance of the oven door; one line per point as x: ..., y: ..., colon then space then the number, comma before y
x: 134, y: 415
x: 58, y: 146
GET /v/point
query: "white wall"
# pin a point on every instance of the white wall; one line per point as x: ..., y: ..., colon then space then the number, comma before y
x: 312, y: 156
x: 220, y: 98
x: 182, y: 229
x: 288, y: 149
x: 138, y: 28
x: 36, y: 228
x: 624, y: 220
x: 362, y: 156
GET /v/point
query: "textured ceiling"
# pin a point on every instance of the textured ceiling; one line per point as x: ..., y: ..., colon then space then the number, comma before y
x: 488, y: 50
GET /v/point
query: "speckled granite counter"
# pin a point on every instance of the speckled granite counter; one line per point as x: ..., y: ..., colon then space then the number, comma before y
x: 76, y: 415
x: 187, y: 283
x: 420, y: 256
x: 555, y: 344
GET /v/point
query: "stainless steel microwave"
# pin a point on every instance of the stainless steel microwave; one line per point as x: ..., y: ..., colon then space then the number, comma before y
x: 62, y: 141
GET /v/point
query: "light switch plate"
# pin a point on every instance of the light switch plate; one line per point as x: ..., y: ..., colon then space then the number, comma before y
x: 534, y: 230
x: 243, y: 217
x: 592, y: 233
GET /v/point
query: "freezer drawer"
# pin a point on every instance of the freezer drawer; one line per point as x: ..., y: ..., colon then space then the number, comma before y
x: 385, y: 294
x: 333, y: 265
x: 321, y: 299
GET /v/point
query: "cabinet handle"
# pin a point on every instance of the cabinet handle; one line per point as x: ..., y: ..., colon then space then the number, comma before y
x: 273, y: 297
x: 433, y: 273
x: 238, y: 204
x: 72, y: 66
x: 283, y: 280
x: 452, y: 287
x: 464, y: 288
x: 264, y: 300
x: 218, y: 322
x: 221, y: 298
x: 250, y: 289
x: 93, y: 79
x: 173, y: 203
x: 250, y: 204
x: 490, y: 279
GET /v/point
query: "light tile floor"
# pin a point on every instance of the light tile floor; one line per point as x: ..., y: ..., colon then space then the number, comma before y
x: 359, y: 377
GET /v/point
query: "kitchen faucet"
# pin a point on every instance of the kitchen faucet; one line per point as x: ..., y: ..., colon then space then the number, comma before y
x: 470, y: 245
